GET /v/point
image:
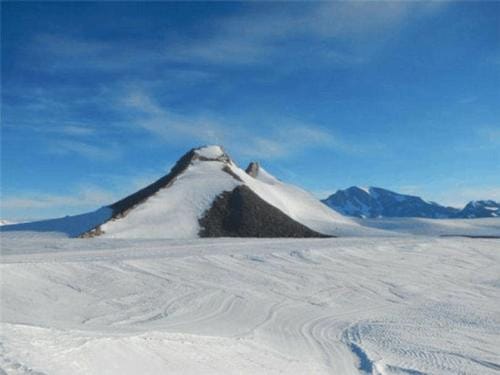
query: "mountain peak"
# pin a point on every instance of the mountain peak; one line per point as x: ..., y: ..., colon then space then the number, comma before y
x: 481, y: 208
x: 378, y: 202
x: 211, y: 153
x: 358, y: 189
x: 253, y: 169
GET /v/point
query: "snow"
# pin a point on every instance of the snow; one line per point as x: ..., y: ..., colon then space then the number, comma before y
x: 173, y: 212
x: 366, y: 189
x: 302, y: 206
x: 398, y: 305
x: 210, y: 152
x: 436, y: 227
x: 68, y: 226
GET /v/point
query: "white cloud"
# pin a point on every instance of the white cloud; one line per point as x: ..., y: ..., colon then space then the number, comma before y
x: 262, y: 37
x: 279, y: 139
x: 107, y: 152
x: 76, y: 130
x: 85, y: 197
x: 257, y: 35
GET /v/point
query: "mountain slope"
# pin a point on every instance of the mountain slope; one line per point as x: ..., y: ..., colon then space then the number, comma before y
x: 175, y: 211
x: 299, y: 204
x: 241, y: 213
x: 476, y: 209
x: 377, y: 202
x: 179, y: 204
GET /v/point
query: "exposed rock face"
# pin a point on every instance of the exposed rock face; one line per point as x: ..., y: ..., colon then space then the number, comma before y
x: 377, y: 202
x: 242, y: 213
x: 205, y: 183
x: 486, y: 208
x: 121, y: 207
x: 253, y: 169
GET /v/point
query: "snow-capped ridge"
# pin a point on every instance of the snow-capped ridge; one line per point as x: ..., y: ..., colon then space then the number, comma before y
x: 374, y: 202
x: 211, y: 153
x: 481, y: 208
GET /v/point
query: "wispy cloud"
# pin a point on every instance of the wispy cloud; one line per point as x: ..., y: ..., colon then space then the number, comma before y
x: 27, y: 205
x: 260, y: 38
x: 285, y: 33
x: 87, y: 150
x: 490, y: 134
x: 87, y: 196
x: 281, y: 138
x: 457, y: 195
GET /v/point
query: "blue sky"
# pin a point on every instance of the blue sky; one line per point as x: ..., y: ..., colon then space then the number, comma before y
x: 99, y: 99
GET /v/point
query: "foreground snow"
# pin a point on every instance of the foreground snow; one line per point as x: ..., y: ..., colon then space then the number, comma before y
x: 406, y: 305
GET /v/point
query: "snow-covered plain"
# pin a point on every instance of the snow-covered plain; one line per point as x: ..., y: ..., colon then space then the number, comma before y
x: 395, y: 305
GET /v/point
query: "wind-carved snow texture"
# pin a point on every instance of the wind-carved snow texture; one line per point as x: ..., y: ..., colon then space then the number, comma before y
x: 409, y: 305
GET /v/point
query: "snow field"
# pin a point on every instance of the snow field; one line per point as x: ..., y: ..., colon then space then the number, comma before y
x: 243, y: 306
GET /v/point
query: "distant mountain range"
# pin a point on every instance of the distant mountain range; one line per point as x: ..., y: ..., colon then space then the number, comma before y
x: 373, y: 202
x: 206, y: 194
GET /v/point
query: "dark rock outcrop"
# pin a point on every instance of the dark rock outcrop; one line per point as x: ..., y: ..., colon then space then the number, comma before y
x: 242, y: 213
x: 485, y: 208
x: 122, y: 206
x: 253, y: 169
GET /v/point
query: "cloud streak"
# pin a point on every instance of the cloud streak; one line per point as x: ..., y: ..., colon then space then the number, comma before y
x: 282, y: 138
x: 331, y: 32
x: 87, y: 150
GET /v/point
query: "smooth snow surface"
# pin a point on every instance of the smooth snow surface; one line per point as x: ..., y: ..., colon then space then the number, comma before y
x: 68, y: 226
x: 412, y: 305
x: 436, y: 227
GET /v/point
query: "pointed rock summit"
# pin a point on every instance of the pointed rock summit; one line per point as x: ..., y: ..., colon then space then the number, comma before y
x: 253, y: 169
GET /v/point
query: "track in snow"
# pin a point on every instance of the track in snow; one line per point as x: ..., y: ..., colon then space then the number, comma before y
x: 333, y: 306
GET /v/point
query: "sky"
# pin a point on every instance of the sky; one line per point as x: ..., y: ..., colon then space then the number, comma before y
x: 100, y: 99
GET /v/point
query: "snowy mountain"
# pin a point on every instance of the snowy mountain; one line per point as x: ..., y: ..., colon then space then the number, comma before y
x: 206, y: 194
x: 475, y: 209
x: 375, y: 202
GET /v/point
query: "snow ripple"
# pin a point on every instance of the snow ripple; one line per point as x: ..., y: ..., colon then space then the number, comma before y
x: 325, y: 306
